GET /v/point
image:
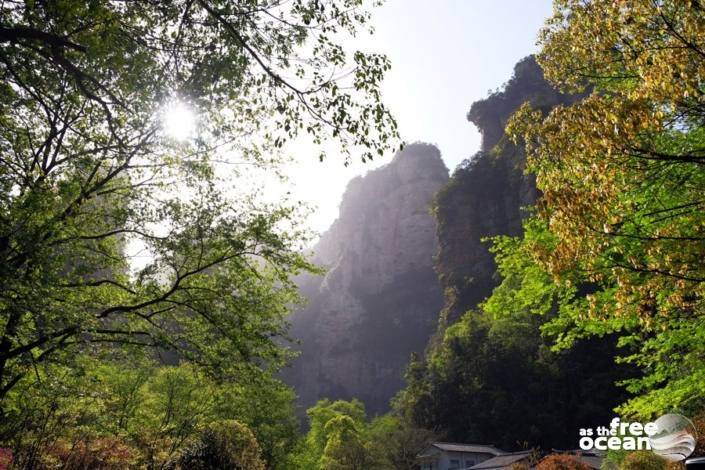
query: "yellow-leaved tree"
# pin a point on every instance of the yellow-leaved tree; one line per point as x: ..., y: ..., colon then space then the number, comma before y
x: 622, y: 174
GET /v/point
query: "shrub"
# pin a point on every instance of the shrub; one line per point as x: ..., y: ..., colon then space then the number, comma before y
x: 226, y: 444
x: 561, y: 462
x: 107, y: 453
x: 643, y: 460
x: 5, y: 458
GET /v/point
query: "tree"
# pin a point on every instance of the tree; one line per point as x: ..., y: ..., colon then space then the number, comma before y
x: 227, y: 444
x: 174, y: 405
x: 87, y: 171
x: 341, y: 437
x: 621, y: 174
x: 266, y: 406
x: 643, y: 460
x: 345, y: 448
x: 394, y: 442
x: 149, y: 414
x: 312, y: 446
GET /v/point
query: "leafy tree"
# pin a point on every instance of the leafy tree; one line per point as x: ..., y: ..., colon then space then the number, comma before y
x: 341, y: 437
x: 266, y: 406
x: 151, y: 414
x: 643, y: 460
x: 175, y: 404
x: 621, y: 174
x: 87, y: 171
x: 394, y: 442
x: 49, y: 412
x: 345, y: 448
x: 310, y: 449
x: 99, y: 454
x: 227, y: 444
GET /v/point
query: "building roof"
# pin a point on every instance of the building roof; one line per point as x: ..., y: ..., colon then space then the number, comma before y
x: 469, y: 448
x: 436, y: 447
x: 502, y: 461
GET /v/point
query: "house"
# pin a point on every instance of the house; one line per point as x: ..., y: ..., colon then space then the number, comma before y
x: 504, y: 461
x: 450, y: 456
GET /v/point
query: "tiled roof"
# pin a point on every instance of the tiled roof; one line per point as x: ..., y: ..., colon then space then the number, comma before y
x: 474, y: 448
x: 501, y: 461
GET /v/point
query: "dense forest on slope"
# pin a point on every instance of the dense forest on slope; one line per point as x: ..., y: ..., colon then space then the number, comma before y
x: 487, y: 369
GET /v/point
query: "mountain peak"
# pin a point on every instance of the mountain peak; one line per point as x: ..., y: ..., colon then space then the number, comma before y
x: 379, y: 299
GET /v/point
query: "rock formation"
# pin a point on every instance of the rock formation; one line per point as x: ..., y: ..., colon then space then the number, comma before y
x: 487, y: 193
x: 380, y: 298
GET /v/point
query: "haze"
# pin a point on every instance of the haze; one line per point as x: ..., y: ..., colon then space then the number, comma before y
x: 445, y: 55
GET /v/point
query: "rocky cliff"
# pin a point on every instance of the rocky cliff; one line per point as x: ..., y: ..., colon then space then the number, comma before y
x: 380, y: 298
x: 486, y: 194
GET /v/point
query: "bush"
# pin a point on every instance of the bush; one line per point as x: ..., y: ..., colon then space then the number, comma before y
x: 5, y: 458
x: 561, y: 462
x: 107, y: 453
x: 643, y: 460
x: 226, y: 444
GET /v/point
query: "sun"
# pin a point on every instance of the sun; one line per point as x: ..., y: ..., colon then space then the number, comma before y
x: 179, y: 121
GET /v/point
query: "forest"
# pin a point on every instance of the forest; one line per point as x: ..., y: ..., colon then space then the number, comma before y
x: 147, y: 290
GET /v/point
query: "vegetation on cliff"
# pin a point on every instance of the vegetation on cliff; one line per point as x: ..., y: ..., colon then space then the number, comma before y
x: 612, y: 254
x: 489, y: 364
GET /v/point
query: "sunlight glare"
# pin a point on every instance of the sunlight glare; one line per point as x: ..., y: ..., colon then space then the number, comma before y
x: 179, y: 121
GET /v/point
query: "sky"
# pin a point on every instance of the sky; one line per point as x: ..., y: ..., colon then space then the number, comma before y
x: 445, y: 55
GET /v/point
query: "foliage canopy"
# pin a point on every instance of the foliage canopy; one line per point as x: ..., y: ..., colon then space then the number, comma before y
x: 87, y: 173
x: 622, y: 178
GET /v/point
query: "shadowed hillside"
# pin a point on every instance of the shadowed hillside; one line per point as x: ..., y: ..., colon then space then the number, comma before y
x: 487, y: 192
x: 380, y: 298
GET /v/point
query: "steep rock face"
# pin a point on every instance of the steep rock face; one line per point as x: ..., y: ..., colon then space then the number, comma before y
x: 380, y: 297
x: 486, y: 193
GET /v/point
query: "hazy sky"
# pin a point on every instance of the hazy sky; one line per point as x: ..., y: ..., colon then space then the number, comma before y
x: 445, y: 55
